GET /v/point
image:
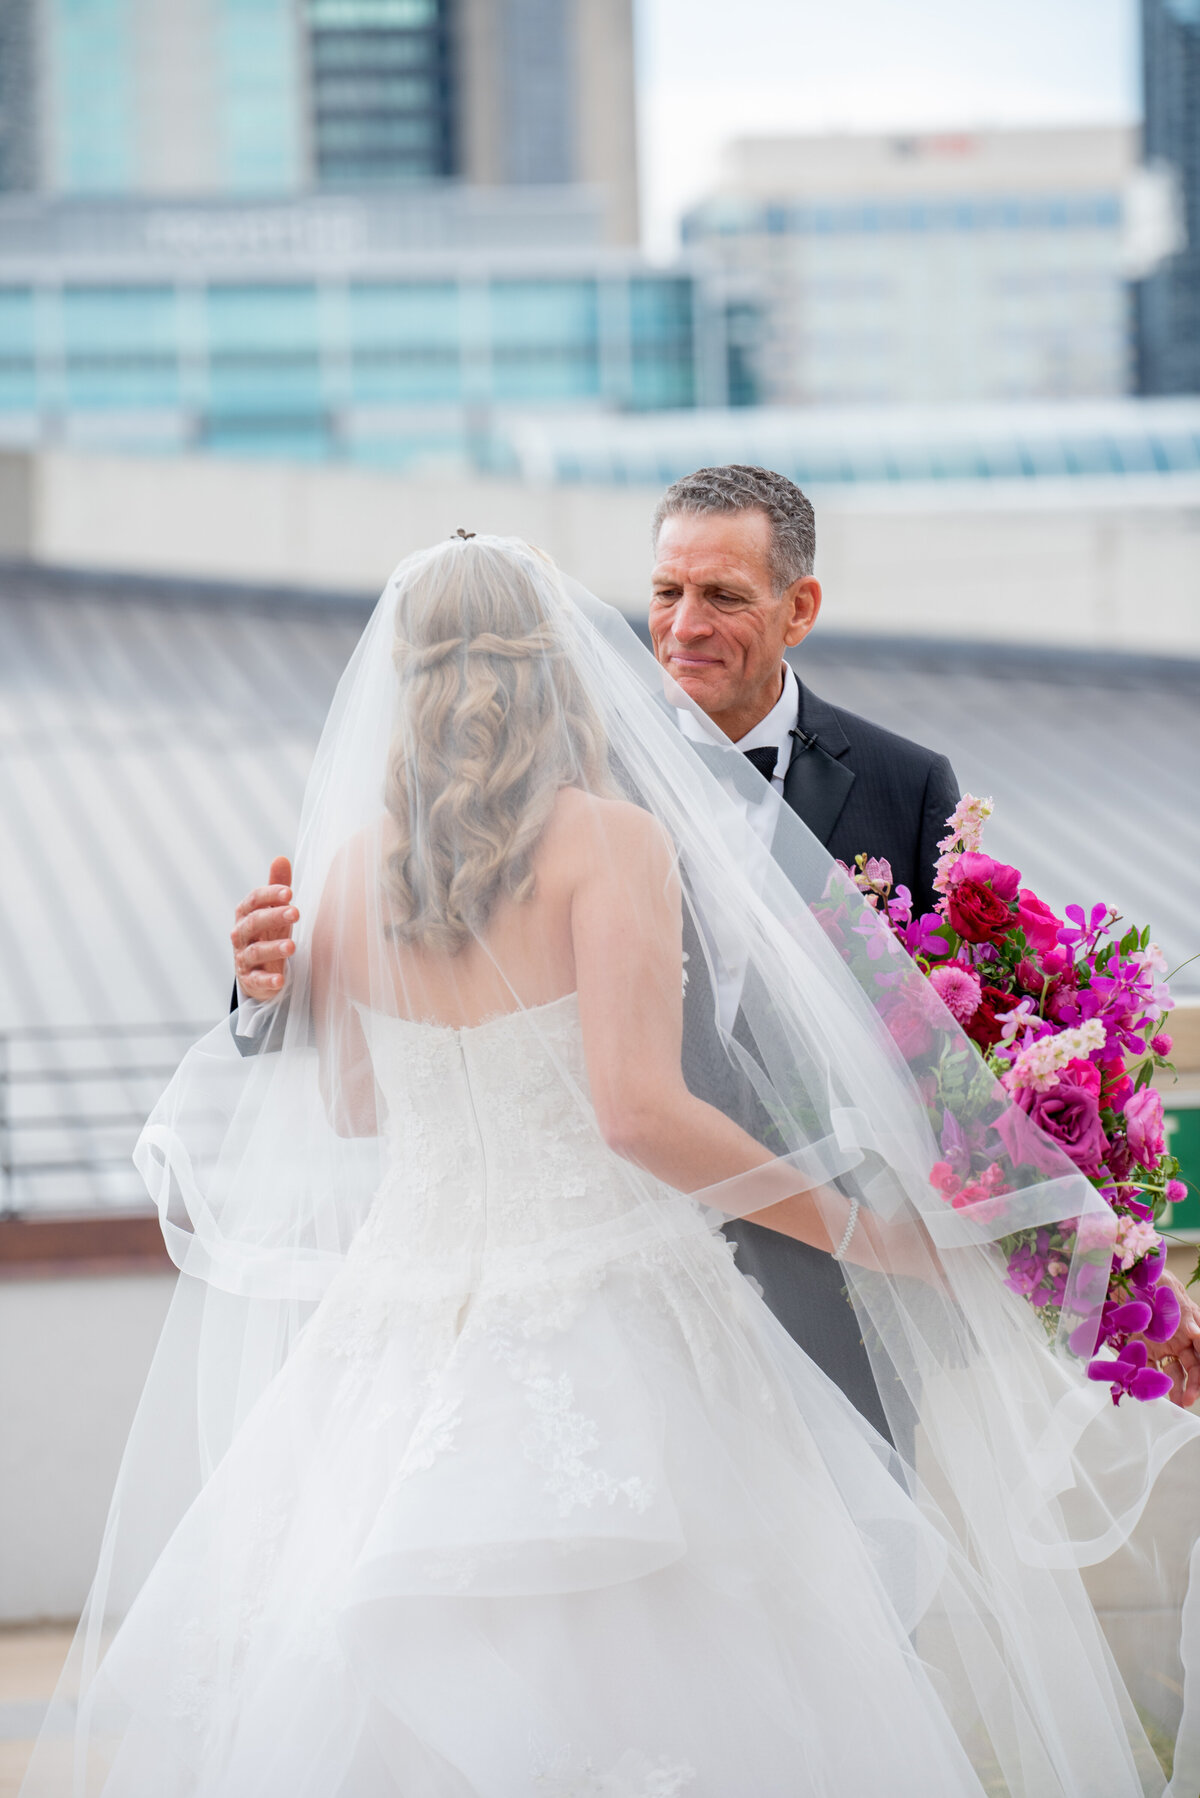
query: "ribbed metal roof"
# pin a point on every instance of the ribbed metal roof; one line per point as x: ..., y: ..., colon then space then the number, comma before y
x: 155, y: 745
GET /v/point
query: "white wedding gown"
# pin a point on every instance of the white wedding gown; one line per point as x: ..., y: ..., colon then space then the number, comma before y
x: 543, y: 1502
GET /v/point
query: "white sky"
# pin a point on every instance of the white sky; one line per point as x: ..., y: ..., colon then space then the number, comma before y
x: 711, y: 70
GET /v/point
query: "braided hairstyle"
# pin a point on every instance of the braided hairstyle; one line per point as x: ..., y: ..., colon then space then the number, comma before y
x: 493, y: 720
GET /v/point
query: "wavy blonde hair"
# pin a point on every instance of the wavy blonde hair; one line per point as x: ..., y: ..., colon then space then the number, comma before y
x: 493, y: 720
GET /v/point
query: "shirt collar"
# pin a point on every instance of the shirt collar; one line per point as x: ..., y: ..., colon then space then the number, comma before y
x: 772, y: 731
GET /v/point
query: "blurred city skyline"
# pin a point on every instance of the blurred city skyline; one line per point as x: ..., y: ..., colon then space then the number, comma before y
x: 708, y: 74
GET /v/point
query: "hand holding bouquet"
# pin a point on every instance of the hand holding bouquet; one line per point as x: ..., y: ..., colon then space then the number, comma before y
x: 1068, y: 1014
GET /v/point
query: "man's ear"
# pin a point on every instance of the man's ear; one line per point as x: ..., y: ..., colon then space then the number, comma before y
x: 803, y: 600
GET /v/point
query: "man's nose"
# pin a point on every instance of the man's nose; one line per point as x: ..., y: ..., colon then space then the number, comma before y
x: 691, y: 620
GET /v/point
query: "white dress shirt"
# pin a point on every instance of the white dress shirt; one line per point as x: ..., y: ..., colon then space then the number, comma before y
x: 772, y: 731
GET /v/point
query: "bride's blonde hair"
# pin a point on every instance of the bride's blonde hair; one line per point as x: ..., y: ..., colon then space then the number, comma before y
x: 493, y: 720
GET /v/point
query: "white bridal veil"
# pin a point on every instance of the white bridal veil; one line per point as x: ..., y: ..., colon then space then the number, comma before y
x: 483, y: 685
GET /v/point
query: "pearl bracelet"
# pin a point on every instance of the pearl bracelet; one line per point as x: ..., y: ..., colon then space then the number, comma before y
x: 839, y: 1254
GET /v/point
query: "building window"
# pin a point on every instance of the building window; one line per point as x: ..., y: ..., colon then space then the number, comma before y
x: 381, y: 90
x: 93, y: 107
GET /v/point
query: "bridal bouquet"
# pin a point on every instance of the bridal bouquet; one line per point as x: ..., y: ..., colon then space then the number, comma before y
x: 1067, y: 1013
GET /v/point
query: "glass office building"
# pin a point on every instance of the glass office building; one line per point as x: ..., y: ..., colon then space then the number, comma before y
x: 1168, y: 302
x: 322, y: 329
x: 382, y: 87
x: 964, y: 266
x: 212, y: 97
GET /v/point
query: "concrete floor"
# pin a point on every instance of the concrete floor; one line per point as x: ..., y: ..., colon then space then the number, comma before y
x: 30, y: 1662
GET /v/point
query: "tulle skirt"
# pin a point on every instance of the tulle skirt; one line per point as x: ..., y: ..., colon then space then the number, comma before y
x: 611, y: 1534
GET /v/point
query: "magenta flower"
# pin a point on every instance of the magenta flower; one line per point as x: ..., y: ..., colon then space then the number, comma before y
x: 1085, y: 929
x: 923, y: 937
x: 1039, y: 923
x: 908, y: 1021
x: 1024, y: 1271
x: 982, y: 868
x: 1162, y: 1044
x: 1130, y: 1374
x: 959, y: 990
x: 1175, y: 1192
x: 1067, y: 1120
x: 1166, y: 1314
x: 1144, y: 1126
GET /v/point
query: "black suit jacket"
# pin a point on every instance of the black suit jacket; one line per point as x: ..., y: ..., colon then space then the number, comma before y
x: 858, y: 788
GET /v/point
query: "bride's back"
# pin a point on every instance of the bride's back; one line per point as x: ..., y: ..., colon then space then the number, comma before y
x: 526, y: 955
x: 457, y: 905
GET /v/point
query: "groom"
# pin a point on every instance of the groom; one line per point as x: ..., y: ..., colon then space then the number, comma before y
x: 733, y: 588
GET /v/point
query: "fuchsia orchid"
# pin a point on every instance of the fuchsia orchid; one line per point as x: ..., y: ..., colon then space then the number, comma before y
x: 1067, y: 1013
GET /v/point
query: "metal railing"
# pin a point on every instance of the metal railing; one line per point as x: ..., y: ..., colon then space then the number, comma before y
x: 72, y: 1102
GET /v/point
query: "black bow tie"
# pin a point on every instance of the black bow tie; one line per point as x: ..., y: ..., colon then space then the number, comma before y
x: 764, y: 759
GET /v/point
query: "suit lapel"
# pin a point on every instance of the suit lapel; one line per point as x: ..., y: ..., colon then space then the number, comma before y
x: 817, y: 783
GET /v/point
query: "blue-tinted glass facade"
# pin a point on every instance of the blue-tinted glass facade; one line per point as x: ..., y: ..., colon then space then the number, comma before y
x: 381, y: 90
x: 1168, y: 303
x: 405, y: 339
x: 18, y: 95
x: 1050, y: 212
x: 662, y: 342
x: 544, y: 340
x: 257, y: 53
x: 18, y: 350
x: 307, y: 368
x: 93, y: 107
x: 119, y: 347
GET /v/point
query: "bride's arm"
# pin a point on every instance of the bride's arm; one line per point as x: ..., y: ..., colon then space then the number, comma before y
x: 627, y: 933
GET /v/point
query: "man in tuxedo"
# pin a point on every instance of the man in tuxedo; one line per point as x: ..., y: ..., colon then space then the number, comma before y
x: 733, y: 589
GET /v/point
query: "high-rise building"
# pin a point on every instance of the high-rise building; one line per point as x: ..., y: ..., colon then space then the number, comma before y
x: 1168, y: 301
x: 397, y: 327
x: 898, y: 268
x: 273, y: 97
x: 18, y: 91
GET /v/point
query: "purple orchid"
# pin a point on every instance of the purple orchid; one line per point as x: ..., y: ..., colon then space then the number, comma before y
x: 1130, y: 1374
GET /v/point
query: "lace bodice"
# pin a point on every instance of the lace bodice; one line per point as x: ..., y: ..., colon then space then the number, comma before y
x: 491, y: 1135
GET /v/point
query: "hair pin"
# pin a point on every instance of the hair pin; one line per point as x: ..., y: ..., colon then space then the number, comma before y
x: 463, y: 534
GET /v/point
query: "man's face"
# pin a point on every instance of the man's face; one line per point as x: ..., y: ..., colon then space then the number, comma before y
x: 717, y: 624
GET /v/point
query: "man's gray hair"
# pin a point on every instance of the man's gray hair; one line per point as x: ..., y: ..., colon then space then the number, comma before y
x: 737, y: 488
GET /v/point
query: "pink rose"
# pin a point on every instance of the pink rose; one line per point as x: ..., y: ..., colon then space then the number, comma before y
x: 1039, y: 924
x: 908, y: 1016
x: 982, y: 868
x: 1144, y: 1126
x: 1068, y: 1121
x: 1083, y: 1073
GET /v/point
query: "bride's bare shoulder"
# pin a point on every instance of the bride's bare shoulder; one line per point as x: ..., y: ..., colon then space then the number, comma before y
x: 584, y: 826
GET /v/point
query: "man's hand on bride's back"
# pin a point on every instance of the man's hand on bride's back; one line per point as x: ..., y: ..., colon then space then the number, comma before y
x: 262, y: 934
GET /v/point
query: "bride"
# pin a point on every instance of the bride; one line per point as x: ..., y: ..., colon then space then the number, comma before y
x: 469, y: 1466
